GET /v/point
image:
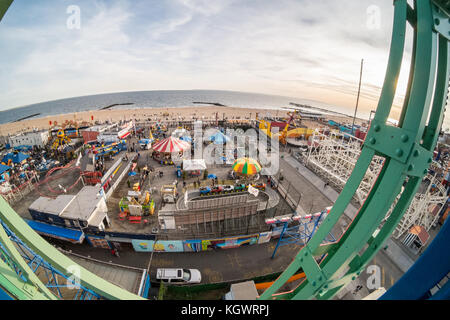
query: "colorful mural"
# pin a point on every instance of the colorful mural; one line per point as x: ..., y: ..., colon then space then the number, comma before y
x: 159, y: 246
x: 264, y: 237
x: 200, y: 244
x: 192, y: 245
x: 228, y: 243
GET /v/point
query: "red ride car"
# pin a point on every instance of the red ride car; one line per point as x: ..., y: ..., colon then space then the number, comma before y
x: 216, y: 189
x: 260, y: 186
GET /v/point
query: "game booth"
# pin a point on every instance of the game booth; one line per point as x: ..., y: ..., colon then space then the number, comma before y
x: 194, y: 168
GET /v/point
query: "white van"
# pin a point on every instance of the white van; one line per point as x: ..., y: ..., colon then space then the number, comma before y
x: 178, y: 276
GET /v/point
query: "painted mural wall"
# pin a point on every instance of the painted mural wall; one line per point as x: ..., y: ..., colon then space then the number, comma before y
x: 159, y: 246
x: 199, y: 245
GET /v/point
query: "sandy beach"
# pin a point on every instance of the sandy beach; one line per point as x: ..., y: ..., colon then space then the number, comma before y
x: 154, y: 114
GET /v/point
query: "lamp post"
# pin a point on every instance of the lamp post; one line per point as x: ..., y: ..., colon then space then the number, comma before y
x: 359, y: 90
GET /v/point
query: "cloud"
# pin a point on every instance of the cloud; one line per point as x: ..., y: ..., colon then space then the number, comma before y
x: 206, y: 7
x: 307, y: 49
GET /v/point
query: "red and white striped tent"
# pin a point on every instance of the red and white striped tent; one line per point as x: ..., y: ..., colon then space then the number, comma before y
x: 170, y: 145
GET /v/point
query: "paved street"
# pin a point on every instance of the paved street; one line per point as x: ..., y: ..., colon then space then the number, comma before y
x: 216, y: 266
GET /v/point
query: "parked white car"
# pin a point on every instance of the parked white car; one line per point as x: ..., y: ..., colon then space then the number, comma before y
x: 228, y: 188
x: 178, y: 276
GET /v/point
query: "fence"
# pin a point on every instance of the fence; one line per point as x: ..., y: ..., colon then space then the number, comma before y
x: 119, y: 179
x: 289, y: 193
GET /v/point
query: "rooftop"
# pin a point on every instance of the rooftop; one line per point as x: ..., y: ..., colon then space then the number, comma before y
x: 84, y: 204
x: 78, y: 207
x: 52, y: 206
x: 244, y: 290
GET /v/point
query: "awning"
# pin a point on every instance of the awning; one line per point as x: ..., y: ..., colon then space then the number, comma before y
x: 61, y: 233
x: 421, y: 233
x: 3, y: 168
x: 123, y: 135
x: 170, y: 145
x: 15, y: 157
x: 219, y: 138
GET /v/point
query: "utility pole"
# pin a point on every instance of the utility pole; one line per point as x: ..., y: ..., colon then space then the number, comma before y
x: 359, y: 90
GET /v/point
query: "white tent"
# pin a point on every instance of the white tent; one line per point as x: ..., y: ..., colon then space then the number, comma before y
x: 179, y: 132
x: 193, y: 165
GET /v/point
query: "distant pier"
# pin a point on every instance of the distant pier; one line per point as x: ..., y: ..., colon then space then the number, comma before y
x: 27, y: 117
x: 117, y: 104
x: 211, y: 103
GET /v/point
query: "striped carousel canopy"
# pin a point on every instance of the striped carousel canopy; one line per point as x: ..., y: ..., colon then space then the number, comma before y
x: 170, y: 145
x: 246, y: 166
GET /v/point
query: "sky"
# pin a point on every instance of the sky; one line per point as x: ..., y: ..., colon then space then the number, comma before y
x: 298, y: 48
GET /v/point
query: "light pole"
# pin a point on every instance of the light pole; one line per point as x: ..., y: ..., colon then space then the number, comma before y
x: 359, y: 90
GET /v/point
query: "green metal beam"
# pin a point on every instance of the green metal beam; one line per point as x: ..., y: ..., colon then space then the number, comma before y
x: 57, y: 259
x: 4, y: 5
x: 15, y: 257
x: 407, y: 150
x: 16, y: 287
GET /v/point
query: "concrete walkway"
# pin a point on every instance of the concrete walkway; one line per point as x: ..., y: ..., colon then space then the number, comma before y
x: 229, y: 265
x: 398, y: 255
x: 316, y: 181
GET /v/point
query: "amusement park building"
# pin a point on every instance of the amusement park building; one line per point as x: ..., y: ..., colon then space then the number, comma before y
x: 35, y: 138
x: 87, y: 209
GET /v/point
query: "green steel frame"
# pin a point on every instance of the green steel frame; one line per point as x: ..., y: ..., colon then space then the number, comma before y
x: 29, y: 285
x: 407, y: 150
x: 4, y: 5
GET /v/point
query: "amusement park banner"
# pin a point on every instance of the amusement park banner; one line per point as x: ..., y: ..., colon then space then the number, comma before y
x: 159, y: 246
x: 228, y: 243
x: 264, y: 237
x: 198, y: 245
x: 192, y: 245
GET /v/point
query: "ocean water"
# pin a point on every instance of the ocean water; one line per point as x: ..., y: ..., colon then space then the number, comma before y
x: 158, y: 99
x: 171, y: 99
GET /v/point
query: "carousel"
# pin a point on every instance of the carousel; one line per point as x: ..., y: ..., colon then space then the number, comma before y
x: 246, y: 168
x: 164, y: 149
